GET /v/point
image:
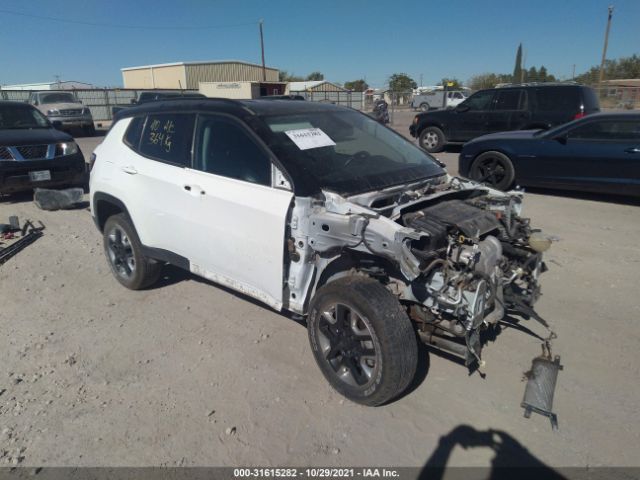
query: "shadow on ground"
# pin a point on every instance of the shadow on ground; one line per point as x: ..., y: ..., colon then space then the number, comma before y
x: 510, y: 460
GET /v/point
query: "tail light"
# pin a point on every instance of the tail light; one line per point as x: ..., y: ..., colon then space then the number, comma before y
x: 578, y: 115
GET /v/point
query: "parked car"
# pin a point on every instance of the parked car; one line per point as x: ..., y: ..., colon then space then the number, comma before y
x: 65, y: 109
x: 156, y: 95
x: 35, y: 154
x: 434, y: 100
x: 321, y: 211
x: 598, y: 153
x: 501, y: 109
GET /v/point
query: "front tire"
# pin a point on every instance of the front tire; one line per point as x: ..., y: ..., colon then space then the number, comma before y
x: 432, y: 139
x: 123, y: 250
x: 424, y: 107
x: 494, y: 169
x: 362, y: 340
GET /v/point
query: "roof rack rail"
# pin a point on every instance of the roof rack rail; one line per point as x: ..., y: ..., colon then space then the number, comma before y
x: 536, y: 84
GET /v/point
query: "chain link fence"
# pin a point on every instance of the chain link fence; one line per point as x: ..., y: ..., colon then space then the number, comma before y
x: 353, y: 100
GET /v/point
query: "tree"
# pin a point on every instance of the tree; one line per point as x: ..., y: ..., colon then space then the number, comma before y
x: 517, y: 70
x: 624, y: 67
x: 315, y: 76
x: 401, y: 82
x: 356, y: 85
x: 488, y: 80
x: 456, y: 83
x: 284, y: 76
x: 532, y: 75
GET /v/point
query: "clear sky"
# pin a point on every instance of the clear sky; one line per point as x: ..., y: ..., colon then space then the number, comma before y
x: 345, y: 40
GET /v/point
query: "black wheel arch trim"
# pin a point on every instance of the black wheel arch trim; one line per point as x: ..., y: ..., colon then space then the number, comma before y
x: 99, y: 197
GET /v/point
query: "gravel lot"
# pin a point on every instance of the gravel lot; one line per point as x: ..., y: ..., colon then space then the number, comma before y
x: 188, y: 373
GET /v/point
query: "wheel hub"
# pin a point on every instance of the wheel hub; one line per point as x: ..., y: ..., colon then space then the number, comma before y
x: 347, y: 344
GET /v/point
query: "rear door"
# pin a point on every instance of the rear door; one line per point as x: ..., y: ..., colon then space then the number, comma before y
x: 470, y: 119
x: 240, y: 218
x: 151, y: 177
x: 509, y: 111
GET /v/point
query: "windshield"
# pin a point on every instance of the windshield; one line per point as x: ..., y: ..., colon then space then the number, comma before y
x: 346, y: 152
x: 19, y: 116
x: 58, y: 98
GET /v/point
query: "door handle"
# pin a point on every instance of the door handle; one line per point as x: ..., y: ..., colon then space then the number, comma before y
x: 194, y: 189
x: 129, y: 169
x: 633, y: 150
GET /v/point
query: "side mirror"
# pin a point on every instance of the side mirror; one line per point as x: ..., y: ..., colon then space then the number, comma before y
x: 462, y: 108
x: 57, y: 124
x: 562, y: 138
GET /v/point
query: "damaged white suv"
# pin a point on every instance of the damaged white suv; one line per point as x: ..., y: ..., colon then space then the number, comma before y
x: 323, y: 212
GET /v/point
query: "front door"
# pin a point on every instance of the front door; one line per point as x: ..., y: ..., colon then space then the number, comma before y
x: 470, y: 119
x: 598, y: 155
x: 240, y: 236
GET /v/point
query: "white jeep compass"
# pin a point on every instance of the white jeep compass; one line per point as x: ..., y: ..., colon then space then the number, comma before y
x: 323, y: 212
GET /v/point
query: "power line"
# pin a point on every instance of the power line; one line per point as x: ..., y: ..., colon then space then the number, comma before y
x: 114, y: 25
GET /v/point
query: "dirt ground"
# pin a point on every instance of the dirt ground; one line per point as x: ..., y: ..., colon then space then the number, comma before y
x: 188, y: 373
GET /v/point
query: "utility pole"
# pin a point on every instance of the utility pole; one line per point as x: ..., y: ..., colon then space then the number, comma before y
x: 420, y: 80
x: 573, y: 74
x: 604, y: 50
x: 264, y: 69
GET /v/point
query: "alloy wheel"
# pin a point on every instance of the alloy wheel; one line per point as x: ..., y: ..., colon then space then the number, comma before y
x: 347, y: 344
x: 120, y: 252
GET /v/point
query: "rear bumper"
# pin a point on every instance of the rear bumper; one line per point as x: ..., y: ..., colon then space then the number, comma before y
x: 413, y: 130
x: 14, y: 175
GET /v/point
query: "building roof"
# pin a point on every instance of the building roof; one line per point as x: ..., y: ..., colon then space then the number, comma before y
x: 175, y: 64
x: 302, y: 86
x: 42, y: 84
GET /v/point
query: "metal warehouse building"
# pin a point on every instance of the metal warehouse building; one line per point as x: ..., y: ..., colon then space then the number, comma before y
x: 189, y: 74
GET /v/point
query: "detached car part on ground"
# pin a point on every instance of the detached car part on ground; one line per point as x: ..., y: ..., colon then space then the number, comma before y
x: 33, y: 153
x: 320, y: 211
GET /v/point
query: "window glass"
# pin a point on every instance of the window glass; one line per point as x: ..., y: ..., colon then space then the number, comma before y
x: 134, y: 132
x: 167, y: 137
x: 225, y: 148
x: 608, y: 130
x: 508, y: 100
x: 558, y: 99
x: 21, y: 116
x: 479, y: 100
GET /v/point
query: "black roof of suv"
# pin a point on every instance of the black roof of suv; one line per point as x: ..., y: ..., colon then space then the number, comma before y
x: 512, y: 107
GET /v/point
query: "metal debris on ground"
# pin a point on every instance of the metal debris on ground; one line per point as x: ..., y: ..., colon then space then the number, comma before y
x: 29, y: 234
x: 47, y: 199
x: 541, y: 385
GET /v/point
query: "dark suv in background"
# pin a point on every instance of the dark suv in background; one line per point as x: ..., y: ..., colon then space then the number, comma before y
x: 518, y: 107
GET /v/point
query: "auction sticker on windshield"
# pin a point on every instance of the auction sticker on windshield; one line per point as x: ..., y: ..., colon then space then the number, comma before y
x: 306, y: 138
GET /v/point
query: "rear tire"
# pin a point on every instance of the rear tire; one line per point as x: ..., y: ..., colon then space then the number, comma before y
x: 424, y: 107
x: 362, y: 340
x: 494, y: 169
x: 432, y: 139
x: 123, y: 250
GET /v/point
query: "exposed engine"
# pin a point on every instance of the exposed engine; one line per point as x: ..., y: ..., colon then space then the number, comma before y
x: 478, y: 260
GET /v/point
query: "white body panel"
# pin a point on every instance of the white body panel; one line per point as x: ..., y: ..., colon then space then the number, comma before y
x: 239, y: 239
x: 231, y: 231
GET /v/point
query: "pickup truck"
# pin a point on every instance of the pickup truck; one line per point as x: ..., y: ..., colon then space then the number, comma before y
x: 434, y: 100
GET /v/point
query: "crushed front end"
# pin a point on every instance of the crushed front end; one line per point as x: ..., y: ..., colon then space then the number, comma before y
x: 456, y: 254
